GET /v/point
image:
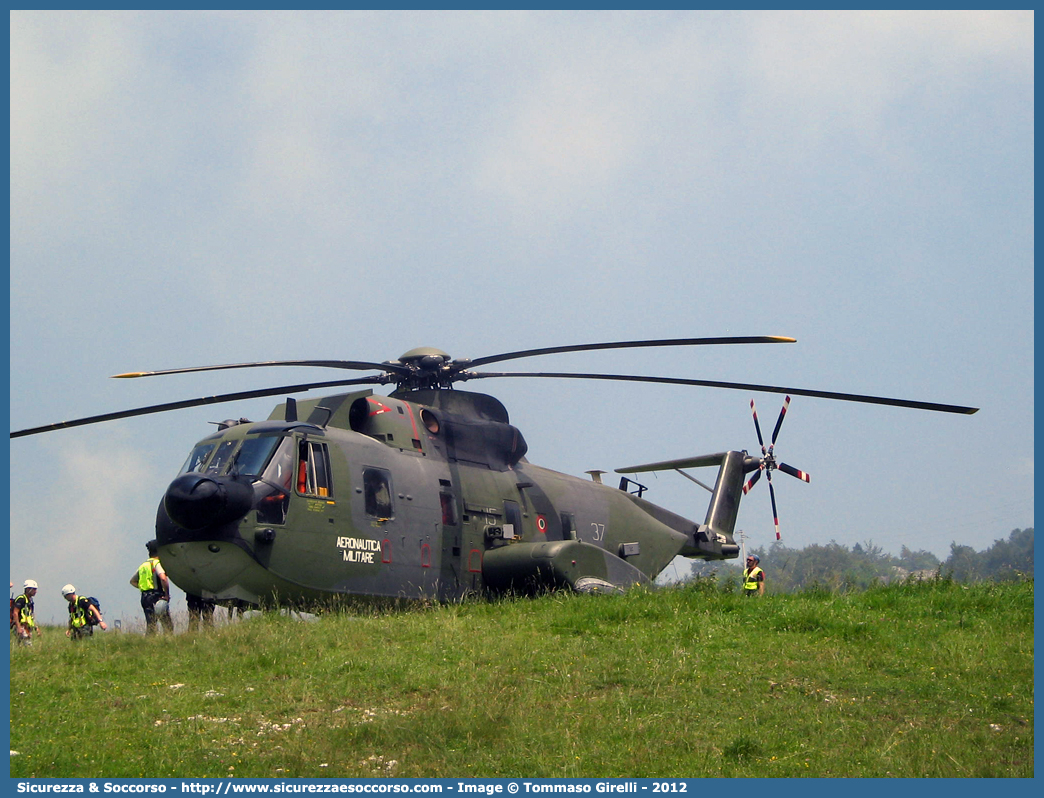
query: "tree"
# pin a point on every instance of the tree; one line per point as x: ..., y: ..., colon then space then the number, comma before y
x: 1009, y: 559
x: 837, y: 567
x: 917, y: 560
x: 962, y: 564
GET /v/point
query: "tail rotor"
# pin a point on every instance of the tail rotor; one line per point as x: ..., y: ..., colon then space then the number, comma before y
x: 768, y: 462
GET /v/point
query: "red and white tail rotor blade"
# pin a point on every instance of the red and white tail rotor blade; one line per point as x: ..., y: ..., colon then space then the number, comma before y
x: 753, y: 479
x: 757, y: 427
x: 794, y: 472
x: 772, y: 497
x: 779, y: 422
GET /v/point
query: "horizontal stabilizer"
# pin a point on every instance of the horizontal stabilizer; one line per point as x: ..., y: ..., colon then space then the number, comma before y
x: 670, y: 465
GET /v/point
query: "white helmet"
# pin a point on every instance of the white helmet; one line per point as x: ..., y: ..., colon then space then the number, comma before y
x: 30, y: 583
x: 68, y: 590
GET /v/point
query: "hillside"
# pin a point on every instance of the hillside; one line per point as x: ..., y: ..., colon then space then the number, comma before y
x: 920, y: 679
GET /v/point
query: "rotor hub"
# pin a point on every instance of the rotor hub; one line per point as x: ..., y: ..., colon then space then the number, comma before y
x: 428, y: 368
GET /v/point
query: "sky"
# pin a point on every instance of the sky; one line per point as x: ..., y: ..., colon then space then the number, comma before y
x: 195, y: 188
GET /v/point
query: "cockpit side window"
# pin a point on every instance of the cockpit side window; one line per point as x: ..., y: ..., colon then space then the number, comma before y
x: 273, y: 490
x: 313, y: 470
x: 280, y: 470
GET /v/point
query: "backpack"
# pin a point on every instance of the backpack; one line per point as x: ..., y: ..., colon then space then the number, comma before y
x: 93, y: 602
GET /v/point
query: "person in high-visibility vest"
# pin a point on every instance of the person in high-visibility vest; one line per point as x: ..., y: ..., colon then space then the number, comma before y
x: 83, y: 615
x: 151, y: 580
x: 753, y: 577
x: 22, y: 614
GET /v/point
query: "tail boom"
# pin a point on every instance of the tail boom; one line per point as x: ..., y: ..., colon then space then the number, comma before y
x: 713, y: 539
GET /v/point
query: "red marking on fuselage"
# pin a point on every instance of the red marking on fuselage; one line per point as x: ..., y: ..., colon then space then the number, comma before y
x: 383, y: 408
x: 413, y: 421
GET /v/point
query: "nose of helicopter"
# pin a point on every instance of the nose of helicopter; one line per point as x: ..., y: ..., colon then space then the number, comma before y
x: 194, y: 501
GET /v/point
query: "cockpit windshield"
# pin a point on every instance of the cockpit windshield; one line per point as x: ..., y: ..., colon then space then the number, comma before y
x: 253, y: 455
x: 221, y: 457
x: 244, y: 458
x: 197, y: 458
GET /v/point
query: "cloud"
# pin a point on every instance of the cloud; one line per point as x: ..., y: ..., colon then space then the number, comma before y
x: 206, y: 187
x: 85, y: 521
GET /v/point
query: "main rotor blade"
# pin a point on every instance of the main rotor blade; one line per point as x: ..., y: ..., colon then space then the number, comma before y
x: 742, y: 386
x: 335, y: 364
x: 205, y: 400
x: 553, y: 350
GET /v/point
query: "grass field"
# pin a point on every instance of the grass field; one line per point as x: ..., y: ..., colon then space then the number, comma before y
x: 927, y: 679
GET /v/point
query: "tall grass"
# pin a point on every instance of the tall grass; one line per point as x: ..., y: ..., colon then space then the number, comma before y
x: 928, y: 679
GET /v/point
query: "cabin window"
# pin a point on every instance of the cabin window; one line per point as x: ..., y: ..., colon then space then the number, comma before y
x: 197, y: 458
x: 512, y: 519
x: 313, y: 470
x: 568, y: 527
x: 449, y: 509
x: 377, y: 492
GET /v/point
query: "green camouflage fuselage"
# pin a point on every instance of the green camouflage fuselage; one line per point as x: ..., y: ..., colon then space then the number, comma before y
x: 425, y: 494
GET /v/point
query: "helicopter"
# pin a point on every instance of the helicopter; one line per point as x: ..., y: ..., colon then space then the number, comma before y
x: 427, y: 493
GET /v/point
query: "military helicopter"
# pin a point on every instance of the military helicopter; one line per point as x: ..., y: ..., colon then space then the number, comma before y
x: 426, y: 492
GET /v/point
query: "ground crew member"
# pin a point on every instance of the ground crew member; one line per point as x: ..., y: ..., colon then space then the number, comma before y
x: 22, y: 614
x: 753, y: 577
x: 83, y: 616
x: 151, y: 580
x: 201, y: 610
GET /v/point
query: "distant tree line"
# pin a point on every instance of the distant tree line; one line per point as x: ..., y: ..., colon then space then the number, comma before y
x: 839, y: 568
